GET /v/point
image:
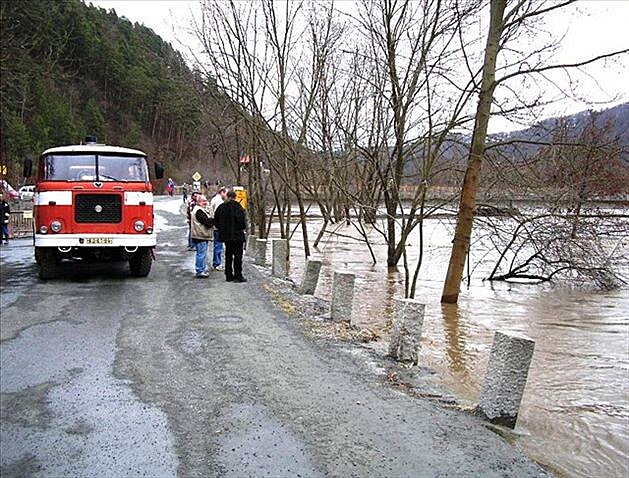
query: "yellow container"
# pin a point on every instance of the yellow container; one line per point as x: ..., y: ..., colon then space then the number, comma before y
x: 241, y: 195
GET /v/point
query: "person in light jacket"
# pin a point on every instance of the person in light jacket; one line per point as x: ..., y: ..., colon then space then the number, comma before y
x: 189, y: 207
x: 201, y: 231
x: 231, y: 221
x: 216, y: 201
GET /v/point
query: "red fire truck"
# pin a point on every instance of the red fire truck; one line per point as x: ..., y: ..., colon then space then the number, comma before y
x: 93, y: 202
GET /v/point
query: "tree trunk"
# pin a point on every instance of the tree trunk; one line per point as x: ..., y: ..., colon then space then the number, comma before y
x: 304, y: 224
x: 252, y: 200
x: 279, y: 206
x: 391, y: 206
x: 155, y: 120
x: 465, y: 219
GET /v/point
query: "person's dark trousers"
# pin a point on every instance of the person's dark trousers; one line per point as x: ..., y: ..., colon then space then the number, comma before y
x: 5, y: 236
x: 233, y: 260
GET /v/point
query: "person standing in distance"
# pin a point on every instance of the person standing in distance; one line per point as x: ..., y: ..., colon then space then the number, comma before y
x: 5, y: 215
x: 217, y: 200
x: 231, y: 221
x: 201, y: 231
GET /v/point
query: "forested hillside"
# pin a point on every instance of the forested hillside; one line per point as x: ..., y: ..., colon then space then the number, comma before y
x: 68, y: 69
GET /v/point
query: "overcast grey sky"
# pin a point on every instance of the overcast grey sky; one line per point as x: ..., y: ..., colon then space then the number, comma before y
x: 592, y: 27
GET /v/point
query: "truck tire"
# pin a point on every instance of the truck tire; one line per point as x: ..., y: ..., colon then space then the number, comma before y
x: 47, y: 262
x: 140, y: 262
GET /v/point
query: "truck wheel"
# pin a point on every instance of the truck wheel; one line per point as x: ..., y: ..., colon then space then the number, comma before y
x: 47, y: 262
x: 140, y: 262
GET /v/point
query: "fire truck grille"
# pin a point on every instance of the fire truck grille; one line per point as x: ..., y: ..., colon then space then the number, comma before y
x: 98, y: 208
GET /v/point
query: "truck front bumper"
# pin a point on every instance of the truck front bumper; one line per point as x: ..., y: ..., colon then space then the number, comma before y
x: 95, y: 240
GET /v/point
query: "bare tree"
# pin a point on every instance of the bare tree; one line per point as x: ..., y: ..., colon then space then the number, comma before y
x: 461, y: 241
x: 416, y: 101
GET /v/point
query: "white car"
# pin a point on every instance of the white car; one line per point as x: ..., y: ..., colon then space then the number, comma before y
x: 27, y: 193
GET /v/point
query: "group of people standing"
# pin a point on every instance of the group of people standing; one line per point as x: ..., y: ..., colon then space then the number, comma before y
x: 222, y: 221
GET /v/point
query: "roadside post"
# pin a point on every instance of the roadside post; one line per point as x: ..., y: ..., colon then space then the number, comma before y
x: 251, y: 245
x: 407, y: 330
x: 260, y: 256
x: 311, y: 277
x: 342, y: 296
x: 280, y: 263
x: 505, y: 379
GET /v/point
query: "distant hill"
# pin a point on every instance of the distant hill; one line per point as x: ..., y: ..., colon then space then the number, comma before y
x: 68, y: 69
x: 617, y: 117
x: 584, y: 155
x: 520, y: 145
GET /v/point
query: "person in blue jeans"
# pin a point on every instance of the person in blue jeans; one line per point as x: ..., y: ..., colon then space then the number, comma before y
x: 217, y: 256
x: 5, y: 216
x: 201, y: 229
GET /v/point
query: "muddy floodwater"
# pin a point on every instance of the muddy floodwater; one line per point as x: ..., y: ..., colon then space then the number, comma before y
x: 574, y: 417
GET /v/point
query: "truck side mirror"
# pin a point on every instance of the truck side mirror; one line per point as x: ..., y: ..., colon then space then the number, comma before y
x: 27, y: 171
x: 159, y: 170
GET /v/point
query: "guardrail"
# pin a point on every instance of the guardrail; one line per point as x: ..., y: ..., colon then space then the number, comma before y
x: 21, y: 224
x: 21, y: 220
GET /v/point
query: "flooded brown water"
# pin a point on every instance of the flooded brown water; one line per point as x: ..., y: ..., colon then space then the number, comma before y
x: 574, y: 416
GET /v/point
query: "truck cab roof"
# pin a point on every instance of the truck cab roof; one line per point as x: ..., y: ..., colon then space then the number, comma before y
x: 93, y: 148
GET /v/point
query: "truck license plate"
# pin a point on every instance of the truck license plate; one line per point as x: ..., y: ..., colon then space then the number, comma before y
x: 99, y: 240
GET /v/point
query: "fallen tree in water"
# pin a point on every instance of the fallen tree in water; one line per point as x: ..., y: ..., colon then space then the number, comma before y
x: 589, y: 247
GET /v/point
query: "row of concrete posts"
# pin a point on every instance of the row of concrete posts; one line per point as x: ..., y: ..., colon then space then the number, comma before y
x: 256, y: 248
x: 510, y: 356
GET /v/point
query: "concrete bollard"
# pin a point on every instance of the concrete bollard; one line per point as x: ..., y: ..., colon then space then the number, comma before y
x: 342, y: 296
x: 279, y: 267
x: 311, y: 277
x: 407, y: 330
x: 251, y: 245
x: 260, y: 256
x: 505, y: 379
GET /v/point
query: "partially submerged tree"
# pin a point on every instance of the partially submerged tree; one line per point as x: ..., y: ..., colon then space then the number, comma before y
x: 463, y: 231
x: 542, y: 247
x: 409, y: 44
x: 505, y: 23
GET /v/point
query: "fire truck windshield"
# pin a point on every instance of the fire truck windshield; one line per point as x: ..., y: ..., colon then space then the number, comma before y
x: 93, y: 167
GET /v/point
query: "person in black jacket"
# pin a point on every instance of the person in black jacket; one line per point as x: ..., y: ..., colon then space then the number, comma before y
x: 231, y: 222
x: 5, y: 215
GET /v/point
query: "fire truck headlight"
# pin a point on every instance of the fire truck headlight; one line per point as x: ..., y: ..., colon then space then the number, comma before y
x: 55, y: 226
x: 138, y: 225
x: 43, y: 229
x: 149, y: 230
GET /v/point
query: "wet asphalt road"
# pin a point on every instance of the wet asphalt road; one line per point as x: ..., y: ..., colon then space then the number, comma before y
x: 102, y: 374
